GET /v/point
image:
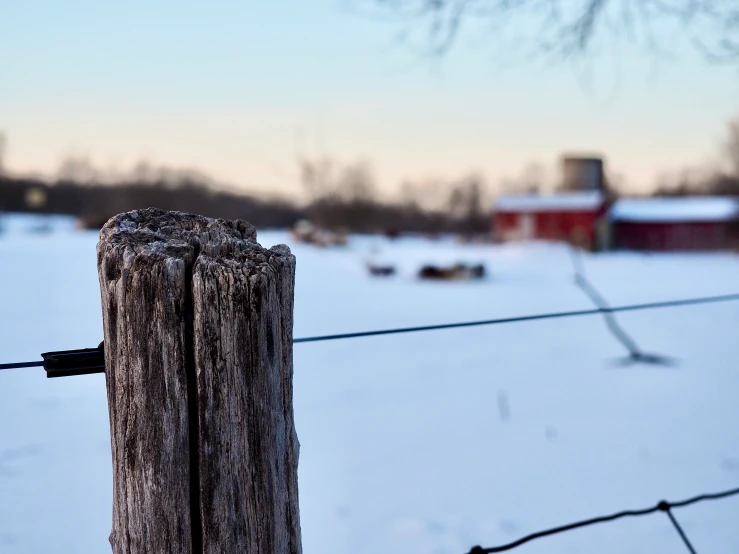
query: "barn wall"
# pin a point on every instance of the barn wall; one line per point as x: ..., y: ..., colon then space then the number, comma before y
x: 578, y: 227
x: 671, y: 236
x: 504, y: 223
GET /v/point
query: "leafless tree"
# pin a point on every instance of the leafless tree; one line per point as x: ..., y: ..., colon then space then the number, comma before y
x: 718, y: 178
x: 533, y: 177
x: 531, y: 180
x: 316, y: 177
x: 429, y: 194
x: 570, y: 28
x: 467, y: 203
x: 346, y: 196
x: 356, y: 183
x: 732, y: 146
x: 3, y: 144
x: 78, y: 169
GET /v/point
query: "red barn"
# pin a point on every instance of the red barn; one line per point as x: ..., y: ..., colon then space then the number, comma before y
x: 675, y: 224
x: 569, y: 216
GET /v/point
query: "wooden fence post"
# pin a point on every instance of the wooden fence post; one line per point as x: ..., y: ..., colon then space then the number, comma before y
x: 198, y: 355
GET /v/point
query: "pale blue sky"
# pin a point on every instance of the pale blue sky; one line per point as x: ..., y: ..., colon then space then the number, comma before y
x: 231, y: 87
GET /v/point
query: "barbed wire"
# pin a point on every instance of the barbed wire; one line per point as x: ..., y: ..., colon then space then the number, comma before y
x: 663, y: 506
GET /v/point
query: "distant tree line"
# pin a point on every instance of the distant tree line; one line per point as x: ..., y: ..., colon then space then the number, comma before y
x: 95, y: 204
x: 717, y: 180
x: 347, y: 197
x: 717, y: 184
x: 340, y: 197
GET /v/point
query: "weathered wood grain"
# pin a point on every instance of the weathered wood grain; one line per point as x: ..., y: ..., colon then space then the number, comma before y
x: 198, y: 352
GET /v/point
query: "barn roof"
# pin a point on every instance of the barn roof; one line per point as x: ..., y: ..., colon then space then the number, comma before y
x: 686, y: 208
x: 568, y: 201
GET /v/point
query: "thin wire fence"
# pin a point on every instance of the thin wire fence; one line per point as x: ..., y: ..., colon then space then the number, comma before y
x: 663, y: 506
x: 497, y: 321
x: 603, y: 308
x: 535, y: 317
x: 636, y: 354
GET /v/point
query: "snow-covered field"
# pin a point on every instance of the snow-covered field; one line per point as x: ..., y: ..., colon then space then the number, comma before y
x: 423, y: 442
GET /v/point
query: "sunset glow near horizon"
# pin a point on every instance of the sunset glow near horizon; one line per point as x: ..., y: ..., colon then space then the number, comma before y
x: 239, y: 90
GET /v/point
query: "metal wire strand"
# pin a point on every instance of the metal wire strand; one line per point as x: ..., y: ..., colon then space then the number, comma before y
x: 562, y: 529
x: 680, y: 532
x: 519, y: 319
x: 22, y: 364
x: 498, y: 321
x: 663, y: 506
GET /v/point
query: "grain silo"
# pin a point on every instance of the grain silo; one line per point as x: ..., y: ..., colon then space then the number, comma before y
x: 582, y: 173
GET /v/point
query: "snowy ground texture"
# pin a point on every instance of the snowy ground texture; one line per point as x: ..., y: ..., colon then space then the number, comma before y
x: 429, y: 442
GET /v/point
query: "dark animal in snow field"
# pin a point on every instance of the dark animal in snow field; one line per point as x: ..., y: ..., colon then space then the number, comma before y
x: 455, y: 272
x: 381, y: 270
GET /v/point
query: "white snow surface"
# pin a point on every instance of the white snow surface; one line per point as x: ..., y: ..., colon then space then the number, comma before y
x: 665, y: 210
x: 16, y: 223
x: 422, y: 442
x: 570, y: 201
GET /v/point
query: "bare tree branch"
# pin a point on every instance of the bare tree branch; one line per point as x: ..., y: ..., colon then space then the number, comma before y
x: 570, y: 28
